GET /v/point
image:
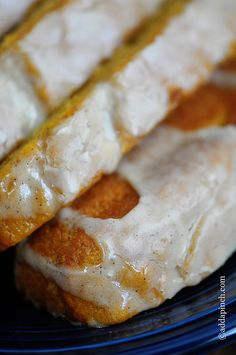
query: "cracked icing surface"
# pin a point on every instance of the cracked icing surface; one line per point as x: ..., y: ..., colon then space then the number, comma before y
x: 68, y: 44
x: 180, y: 58
x: 20, y: 108
x: 182, y: 229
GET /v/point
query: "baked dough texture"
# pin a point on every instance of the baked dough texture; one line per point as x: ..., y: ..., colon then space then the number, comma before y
x: 165, y: 220
x: 124, y: 100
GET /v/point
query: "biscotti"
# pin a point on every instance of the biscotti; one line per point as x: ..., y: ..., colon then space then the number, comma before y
x: 163, y: 221
x: 53, y: 52
x: 122, y: 103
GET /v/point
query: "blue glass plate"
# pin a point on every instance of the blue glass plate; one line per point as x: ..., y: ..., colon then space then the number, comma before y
x: 188, y: 323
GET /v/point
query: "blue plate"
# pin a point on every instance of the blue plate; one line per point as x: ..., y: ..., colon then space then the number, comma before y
x: 188, y: 323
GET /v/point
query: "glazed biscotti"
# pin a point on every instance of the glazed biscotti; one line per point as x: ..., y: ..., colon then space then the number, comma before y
x: 11, y: 12
x: 164, y: 221
x: 123, y: 101
x: 54, y: 52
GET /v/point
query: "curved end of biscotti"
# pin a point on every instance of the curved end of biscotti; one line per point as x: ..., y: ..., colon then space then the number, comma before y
x: 45, y: 293
x: 71, y: 251
x: 12, y: 231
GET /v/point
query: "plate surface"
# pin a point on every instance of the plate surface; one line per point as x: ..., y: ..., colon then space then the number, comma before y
x: 189, y: 322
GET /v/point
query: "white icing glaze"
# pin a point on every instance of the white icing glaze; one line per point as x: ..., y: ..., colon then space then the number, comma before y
x: 76, y: 151
x: 187, y: 193
x: 65, y: 47
x: 11, y: 11
x: 84, y: 146
x: 23, y: 199
x: 20, y: 109
x: 180, y: 59
x: 137, y: 97
x: 90, y: 284
x: 67, y: 44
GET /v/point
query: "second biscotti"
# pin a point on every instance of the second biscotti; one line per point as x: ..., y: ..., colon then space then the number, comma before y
x: 124, y: 100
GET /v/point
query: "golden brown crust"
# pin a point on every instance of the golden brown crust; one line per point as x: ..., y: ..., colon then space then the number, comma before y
x: 68, y: 247
x: 12, y: 231
x: 106, y: 198
x: 40, y: 290
x: 209, y: 106
x: 111, y: 197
